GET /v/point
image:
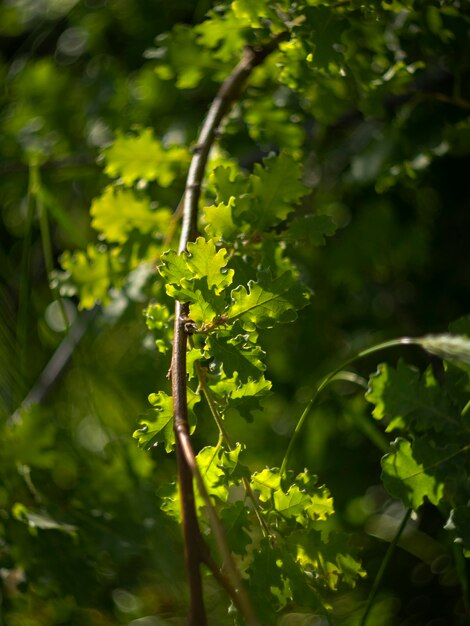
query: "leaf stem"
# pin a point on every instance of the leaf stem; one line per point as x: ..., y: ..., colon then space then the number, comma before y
x: 401, y: 341
x: 224, y: 435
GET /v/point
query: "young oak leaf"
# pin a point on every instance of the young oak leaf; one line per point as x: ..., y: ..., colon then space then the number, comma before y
x: 235, y: 517
x: 304, y: 500
x: 117, y: 212
x: 244, y: 398
x: 142, y: 156
x: 326, y: 556
x: 157, y: 424
x: 227, y: 184
x: 201, y: 262
x: 91, y: 274
x: 174, y: 268
x: 409, y: 399
x: 407, y: 473
x: 267, y: 301
x: 310, y: 229
x: 220, y: 220
x: 219, y: 469
x: 205, y: 262
x: 266, y: 483
x: 276, y: 186
x: 236, y: 355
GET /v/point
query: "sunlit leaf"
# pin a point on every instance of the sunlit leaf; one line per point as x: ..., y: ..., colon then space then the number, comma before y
x: 157, y: 424
x: 267, y: 301
x: 142, y: 156
x: 117, y: 212
x: 407, y: 473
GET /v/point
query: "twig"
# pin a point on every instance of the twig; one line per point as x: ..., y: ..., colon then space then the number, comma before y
x: 228, y: 93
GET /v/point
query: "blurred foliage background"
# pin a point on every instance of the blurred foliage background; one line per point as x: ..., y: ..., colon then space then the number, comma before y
x: 82, y: 538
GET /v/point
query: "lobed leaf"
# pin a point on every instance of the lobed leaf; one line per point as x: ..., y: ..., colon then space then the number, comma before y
x: 267, y: 301
x: 90, y: 275
x: 310, y: 229
x: 205, y: 262
x: 118, y: 212
x: 407, y: 399
x: 276, y: 187
x: 157, y: 424
x: 142, y: 156
x: 236, y: 355
x: 407, y: 473
x: 327, y: 556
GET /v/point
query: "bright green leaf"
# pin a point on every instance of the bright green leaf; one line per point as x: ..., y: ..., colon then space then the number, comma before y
x: 142, y: 156
x: 117, y: 212
x: 157, y: 424
x: 407, y: 473
x: 267, y: 301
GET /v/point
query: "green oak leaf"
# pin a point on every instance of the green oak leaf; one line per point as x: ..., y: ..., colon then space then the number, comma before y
x: 90, y: 274
x: 291, y: 504
x: 267, y: 582
x: 117, y: 212
x: 174, y: 268
x: 157, y: 424
x: 321, y: 504
x: 219, y: 469
x: 253, y: 13
x: 220, y: 221
x: 310, y: 229
x: 227, y: 184
x: 327, y: 556
x: 142, y: 156
x: 197, y: 276
x: 205, y: 262
x: 203, y: 307
x: 303, y: 501
x: 192, y: 356
x: 242, y: 398
x: 158, y: 319
x: 236, y: 354
x: 235, y: 517
x: 224, y: 34
x: 407, y: 473
x: 267, y: 301
x: 266, y: 483
x: 407, y: 399
x: 276, y: 187
x: 245, y: 398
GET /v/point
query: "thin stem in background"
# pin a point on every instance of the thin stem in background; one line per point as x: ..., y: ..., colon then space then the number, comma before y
x: 401, y: 341
x: 384, y: 565
x: 46, y: 242
x: 25, y: 283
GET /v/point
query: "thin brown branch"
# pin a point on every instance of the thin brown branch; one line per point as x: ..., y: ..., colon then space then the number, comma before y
x: 195, y: 552
x: 233, y: 578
